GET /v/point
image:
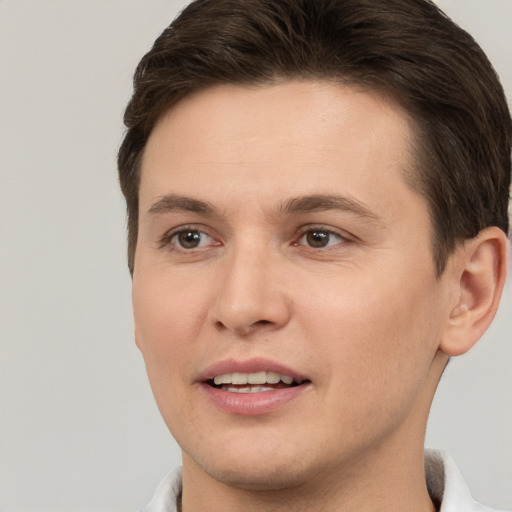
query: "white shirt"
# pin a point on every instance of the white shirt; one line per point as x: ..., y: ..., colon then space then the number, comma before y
x: 444, y: 482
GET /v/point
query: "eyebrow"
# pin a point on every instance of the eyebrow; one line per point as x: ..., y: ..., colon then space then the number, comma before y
x: 302, y: 204
x: 173, y: 202
x: 322, y: 202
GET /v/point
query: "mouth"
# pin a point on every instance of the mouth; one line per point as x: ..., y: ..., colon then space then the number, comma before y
x: 252, y: 387
x: 256, y: 382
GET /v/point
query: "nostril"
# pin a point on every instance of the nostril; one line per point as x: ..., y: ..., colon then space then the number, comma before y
x: 219, y: 325
x: 243, y: 330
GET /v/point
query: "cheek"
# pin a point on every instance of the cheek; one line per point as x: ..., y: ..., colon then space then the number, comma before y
x: 378, y: 332
x: 167, y: 314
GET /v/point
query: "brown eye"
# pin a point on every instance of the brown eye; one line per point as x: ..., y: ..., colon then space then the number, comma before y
x: 318, y: 238
x: 191, y: 239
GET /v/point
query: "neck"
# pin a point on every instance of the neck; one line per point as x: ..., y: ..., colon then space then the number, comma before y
x: 389, y: 488
x: 386, y: 478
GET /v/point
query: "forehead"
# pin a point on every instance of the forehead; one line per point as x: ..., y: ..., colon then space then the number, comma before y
x: 302, y: 136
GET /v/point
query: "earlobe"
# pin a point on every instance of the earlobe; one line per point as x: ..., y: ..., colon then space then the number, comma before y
x: 479, y: 271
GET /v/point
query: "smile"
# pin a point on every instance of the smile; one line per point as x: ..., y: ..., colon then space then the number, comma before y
x: 257, y: 382
x: 252, y: 387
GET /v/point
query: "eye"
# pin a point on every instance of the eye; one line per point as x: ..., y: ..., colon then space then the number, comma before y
x: 190, y: 239
x: 320, y: 238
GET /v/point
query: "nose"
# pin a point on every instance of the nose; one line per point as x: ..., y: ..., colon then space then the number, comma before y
x: 251, y: 295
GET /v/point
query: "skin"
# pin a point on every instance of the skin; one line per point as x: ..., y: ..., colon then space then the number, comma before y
x: 364, y: 318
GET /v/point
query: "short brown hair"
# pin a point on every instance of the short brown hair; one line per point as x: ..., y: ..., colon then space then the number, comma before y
x: 406, y: 48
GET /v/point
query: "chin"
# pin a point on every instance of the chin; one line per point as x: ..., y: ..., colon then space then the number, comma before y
x: 258, y: 469
x: 270, y: 477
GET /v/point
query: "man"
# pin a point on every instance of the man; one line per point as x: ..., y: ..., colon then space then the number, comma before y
x: 317, y: 197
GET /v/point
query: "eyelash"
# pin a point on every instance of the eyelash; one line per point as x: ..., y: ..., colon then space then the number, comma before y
x: 167, y: 240
x: 342, y: 238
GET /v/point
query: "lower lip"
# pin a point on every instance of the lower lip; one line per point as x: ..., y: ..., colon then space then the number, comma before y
x: 252, y: 404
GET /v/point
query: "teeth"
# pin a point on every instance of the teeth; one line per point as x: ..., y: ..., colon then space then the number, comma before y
x: 273, y: 378
x: 250, y: 389
x: 240, y: 379
x: 257, y: 378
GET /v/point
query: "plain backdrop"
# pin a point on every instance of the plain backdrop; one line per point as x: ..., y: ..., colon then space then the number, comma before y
x: 79, y: 430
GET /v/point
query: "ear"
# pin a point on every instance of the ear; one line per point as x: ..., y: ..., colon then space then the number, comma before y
x: 478, y: 269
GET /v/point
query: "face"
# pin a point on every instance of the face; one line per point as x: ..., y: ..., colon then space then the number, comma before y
x: 284, y: 291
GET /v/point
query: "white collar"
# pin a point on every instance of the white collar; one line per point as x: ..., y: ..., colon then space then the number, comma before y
x: 444, y: 481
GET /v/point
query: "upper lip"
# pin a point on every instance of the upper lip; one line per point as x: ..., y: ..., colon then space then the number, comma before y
x: 249, y: 366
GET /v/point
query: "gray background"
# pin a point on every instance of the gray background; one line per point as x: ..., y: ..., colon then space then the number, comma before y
x: 78, y: 427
